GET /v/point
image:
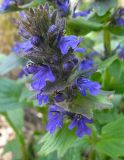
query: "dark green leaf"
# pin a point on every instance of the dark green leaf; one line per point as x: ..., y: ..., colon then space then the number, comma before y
x: 100, y: 19
x: 117, y: 30
x: 96, y: 76
x: 80, y: 26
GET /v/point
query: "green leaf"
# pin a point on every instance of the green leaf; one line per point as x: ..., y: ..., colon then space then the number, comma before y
x: 81, y: 26
x: 51, y: 156
x: 117, y: 30
x: 86, y: 105
x: 15, y: 148
x: 111, y: 141
x: 113, y: 77
x: 114, y: 68
x: 96, y: 76
x: 26, y: 95
x: 100, y: 19
x: 73, y: 154
x: 10, y: 92
x: 105, y: 64
x: 105, y: 116
x: 103, y: 6
x: 9, y: 63
x: 60, y: 141
x: 16, y: 116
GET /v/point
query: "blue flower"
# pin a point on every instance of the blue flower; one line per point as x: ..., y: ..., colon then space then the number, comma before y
x: 85, y: 64
x: 63, y: 6
x: 35, y: 40
x: 22, y: 31
x: 39, y: 79
x: 121, y: 53
x: 42, y: 99
x: 24, y: 46
x: 80, y: 50
x: 5, y: 4
x: 80, y: 122
x: 121, y: 11
x: 30, y: 69
x: 68, y: 42
x: 92, y: 54
x: 75, y: 60
x: 22, y: 14
x: 21, y: 74
x: 81, y: 13
x: 55, y: 118
x: 68, y: 66
x: 120, y: 21
x: 52, y: 28
x: 17, y: 47
x: 120, y: 17
x: 59, y: 97
x: 84, y: 84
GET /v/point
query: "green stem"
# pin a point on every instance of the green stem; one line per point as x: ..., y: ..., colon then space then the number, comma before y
x: 92, y: 154
x: 93, y: 139
x: 107, y: 43
x: 20, y: 138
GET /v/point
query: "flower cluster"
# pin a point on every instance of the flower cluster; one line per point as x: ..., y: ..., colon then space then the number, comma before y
x: 58, y: 75
x: 56, y: 115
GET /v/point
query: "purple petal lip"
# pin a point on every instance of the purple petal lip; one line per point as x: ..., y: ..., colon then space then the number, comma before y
x: 120, y: 21
x: 81, y: 13
x: 40, y: 78
x: 55, y: 118
x: 84, y: 84
x: 42, y: 99
x: 85, y: 64
x: 68, y: 42
x: 80, y: 122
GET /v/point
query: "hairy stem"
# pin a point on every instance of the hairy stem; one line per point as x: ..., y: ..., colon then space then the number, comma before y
x: 107, y: 43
